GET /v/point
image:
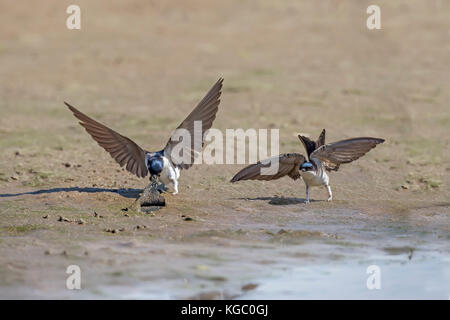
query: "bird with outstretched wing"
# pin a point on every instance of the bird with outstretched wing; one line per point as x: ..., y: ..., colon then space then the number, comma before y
x: 184, y: 146
x: 321, y: 158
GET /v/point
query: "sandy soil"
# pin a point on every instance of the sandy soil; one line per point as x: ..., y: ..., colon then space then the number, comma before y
x: 299, y: 66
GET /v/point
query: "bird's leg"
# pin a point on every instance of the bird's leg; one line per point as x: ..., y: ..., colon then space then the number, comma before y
x: 330, y: 194
x: 307, y: 194
x: 175, y: 186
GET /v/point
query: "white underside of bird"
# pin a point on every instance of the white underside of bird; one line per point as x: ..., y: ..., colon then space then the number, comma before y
x: 316, y: 178
x: 169, y: 175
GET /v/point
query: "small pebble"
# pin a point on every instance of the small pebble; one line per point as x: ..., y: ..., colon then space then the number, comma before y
x: 115, y: 230
x: 61, y: 218
x: 249, y: 286
x: 97, y: 215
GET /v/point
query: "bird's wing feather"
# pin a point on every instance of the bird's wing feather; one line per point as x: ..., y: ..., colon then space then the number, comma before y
x: 333, y: 154
x: 311, y: 145
x: 205, y: 112
x: 288, y: 164
x: 122, y: 149
x: 321, y: 140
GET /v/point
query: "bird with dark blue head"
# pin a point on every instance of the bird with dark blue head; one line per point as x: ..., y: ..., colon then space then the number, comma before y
x: 306, y: 166
x: 163, y: 164
x: 155, y: 164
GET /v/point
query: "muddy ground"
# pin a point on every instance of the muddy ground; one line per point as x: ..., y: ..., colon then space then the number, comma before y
x: 299, y: 66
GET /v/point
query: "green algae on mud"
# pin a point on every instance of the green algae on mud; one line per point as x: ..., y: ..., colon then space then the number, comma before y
x: 21, y: 229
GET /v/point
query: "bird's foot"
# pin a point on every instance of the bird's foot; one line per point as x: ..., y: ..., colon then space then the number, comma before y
x: 330, y: 194
x: 306, y: 201
x: 175, y: 192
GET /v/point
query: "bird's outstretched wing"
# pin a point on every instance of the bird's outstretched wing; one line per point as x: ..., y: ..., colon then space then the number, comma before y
x: 321, y: 140
x: 288, y: 164
x: 121, y: 148
x: 311, y: 145
x: 333, y: 154
x: 205, y: 113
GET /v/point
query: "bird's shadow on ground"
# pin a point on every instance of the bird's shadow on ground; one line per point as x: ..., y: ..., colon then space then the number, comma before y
x: 279, y: 201
x: 127, y: 193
